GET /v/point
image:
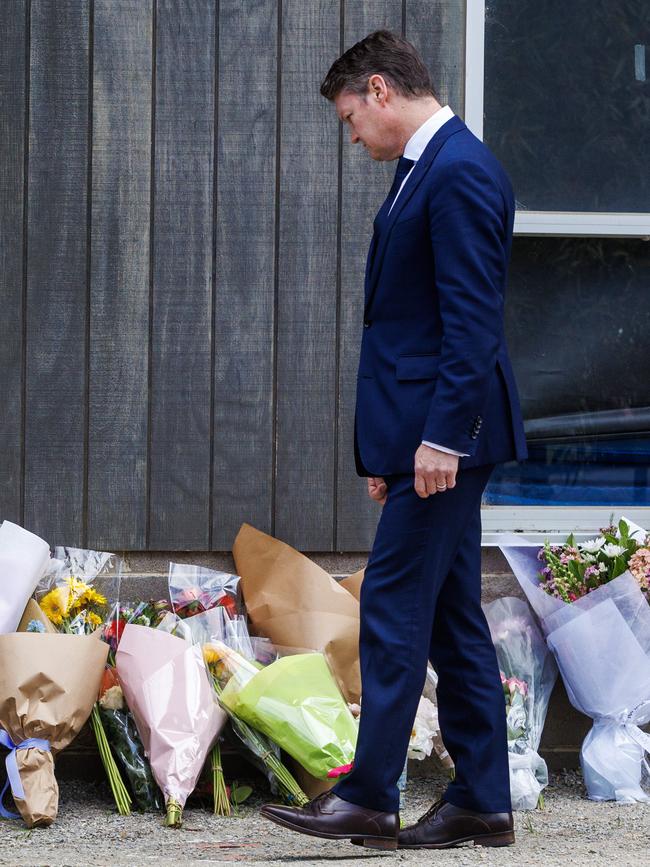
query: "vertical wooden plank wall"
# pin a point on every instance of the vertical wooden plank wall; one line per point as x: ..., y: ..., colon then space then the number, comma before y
x: 119, y: 280
x: 13, y: 105
x: 56, y: 396
x: 179, y: 502
x: 246, y: 201
x: 307, y: 291
x: 182, y: 267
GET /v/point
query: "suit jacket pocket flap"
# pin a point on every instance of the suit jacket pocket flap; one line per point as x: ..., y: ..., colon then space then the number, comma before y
x: 417, y: 366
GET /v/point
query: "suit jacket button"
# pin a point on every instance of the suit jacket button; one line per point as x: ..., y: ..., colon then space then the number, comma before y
x: 367, y: 323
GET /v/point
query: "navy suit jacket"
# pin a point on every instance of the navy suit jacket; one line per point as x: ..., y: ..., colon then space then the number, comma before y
x: 434, y: 363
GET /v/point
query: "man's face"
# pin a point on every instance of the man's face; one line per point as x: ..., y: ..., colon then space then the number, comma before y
x: 370, y: 123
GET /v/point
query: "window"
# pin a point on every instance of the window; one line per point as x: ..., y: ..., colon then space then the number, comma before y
x: 561, y: 95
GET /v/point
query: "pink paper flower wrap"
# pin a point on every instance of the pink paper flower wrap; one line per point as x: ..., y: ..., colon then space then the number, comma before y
x: 167, y: 689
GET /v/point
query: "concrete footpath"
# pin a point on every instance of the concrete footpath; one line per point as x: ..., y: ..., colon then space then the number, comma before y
x: 570, y: 830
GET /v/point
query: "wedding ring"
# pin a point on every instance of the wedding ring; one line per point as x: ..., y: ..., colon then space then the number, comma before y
x: 443, y: 488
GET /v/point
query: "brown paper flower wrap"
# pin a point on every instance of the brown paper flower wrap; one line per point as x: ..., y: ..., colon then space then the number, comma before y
x: 295, y: 603
x: 48, y: 686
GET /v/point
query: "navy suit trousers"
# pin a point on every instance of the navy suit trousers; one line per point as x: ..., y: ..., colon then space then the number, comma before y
x: 421, y: 600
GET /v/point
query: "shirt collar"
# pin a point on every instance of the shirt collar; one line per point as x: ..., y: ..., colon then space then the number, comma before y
x: 422, y: 136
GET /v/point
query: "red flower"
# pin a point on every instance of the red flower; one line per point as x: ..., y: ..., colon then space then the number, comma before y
x: 338, y: 772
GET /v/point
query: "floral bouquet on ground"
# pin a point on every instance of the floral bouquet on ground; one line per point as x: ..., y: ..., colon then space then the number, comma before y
x: 194, y: 589
x: 78, y: 594
x: 48, y: 688
x: 593, y: 609
x: 167, y: 689
x: 528, y: 675
x: 117, y: 720
x: 213, y: 631
x: 23, y: 559
x: 296, y: 702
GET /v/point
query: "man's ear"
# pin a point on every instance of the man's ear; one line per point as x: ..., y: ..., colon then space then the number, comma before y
x: 377, y: 88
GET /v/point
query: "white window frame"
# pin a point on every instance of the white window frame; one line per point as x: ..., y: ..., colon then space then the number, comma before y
x: 534, y: 524
x: 559, y: 223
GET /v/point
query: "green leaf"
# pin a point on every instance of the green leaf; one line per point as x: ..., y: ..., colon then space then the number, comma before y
x: 240, y: 793
x: 624, y: 529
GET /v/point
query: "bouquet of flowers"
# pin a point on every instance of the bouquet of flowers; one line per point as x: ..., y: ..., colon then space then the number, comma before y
x: 124, y: 741
x: 166, y: 686
x: 78, y: 593
x: 573, y: 570
x: 215, y: 628
x: 48, y: 688
x: 296, y: 702
x: 23, y: 559
x: 194, y: 589
x: 597, y: 623
x: 528, y: 675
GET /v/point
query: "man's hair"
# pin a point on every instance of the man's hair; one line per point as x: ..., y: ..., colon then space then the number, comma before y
x: 380, y: 53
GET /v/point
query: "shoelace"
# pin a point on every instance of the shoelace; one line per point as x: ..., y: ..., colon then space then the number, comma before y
x: 431, y: 812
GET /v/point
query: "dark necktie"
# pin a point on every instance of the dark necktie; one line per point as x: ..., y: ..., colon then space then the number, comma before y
x: 404, y: 166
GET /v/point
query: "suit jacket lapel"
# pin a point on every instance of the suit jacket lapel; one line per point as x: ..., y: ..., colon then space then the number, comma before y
x: 378, y: 249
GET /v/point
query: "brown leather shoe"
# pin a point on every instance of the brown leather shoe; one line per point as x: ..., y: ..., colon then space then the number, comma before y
x: 444, y: 825
x: 331, y: 817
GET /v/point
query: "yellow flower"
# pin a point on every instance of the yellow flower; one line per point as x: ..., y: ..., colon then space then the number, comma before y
x: 91, y: 597
x: 93, y: 619
x: 211, y: 655
x: 55, y: 604
x: 77, y: 591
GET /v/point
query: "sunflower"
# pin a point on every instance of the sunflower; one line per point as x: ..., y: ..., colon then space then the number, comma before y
x: 91, y: 597
x: 55, y: 605
x: 93, y: 619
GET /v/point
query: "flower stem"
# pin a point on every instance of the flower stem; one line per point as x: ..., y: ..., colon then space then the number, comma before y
x: 120, y: 793
x: 174, y: 817
x: 220, y: 795
x: 260, y: 747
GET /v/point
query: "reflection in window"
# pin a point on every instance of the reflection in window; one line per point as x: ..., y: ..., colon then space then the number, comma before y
x: 567, y: 102
x: 578, y: 329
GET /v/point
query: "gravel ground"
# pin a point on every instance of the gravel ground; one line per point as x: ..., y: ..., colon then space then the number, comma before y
x: 570, y: 830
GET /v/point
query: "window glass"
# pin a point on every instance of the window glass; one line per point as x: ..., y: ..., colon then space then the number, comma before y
x: 578, y: 330
x: 567, y: 102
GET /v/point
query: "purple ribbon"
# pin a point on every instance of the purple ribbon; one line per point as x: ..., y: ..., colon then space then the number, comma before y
x: 13, y: 775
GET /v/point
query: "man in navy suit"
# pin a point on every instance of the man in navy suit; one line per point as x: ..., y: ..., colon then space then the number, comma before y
x: 437, y: 408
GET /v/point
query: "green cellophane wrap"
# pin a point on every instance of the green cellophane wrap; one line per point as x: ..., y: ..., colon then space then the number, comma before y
x: 296, y: 702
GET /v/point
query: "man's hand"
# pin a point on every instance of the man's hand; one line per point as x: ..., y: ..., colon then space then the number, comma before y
x: 435, y: 471
x: 377, y: 489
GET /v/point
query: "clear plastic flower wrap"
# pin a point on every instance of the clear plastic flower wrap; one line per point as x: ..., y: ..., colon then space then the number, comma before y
x: 122, y: 735
x: 79, y: 589
x: 601, y: 643
x: 193, y: 589
x: 528, y: 674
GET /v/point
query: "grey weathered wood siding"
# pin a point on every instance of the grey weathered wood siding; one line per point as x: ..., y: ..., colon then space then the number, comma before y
x: 184, y: 229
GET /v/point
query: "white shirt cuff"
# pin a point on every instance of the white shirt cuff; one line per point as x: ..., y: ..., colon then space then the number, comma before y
x: 445, y: 449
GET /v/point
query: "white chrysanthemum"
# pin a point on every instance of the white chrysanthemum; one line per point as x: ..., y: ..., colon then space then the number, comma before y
x: 611, y: 550
x: 592, y: 545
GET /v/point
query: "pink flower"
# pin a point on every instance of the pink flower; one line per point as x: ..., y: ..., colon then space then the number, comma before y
x: 338, y: 772
x: 639, y: 566
x: 188, y: 595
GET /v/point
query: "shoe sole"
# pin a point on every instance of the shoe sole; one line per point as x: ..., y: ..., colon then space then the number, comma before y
x: 357, y: 839
x: 504, y: 838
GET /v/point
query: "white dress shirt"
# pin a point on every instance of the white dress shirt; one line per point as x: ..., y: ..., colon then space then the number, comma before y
x: 413, y: 151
